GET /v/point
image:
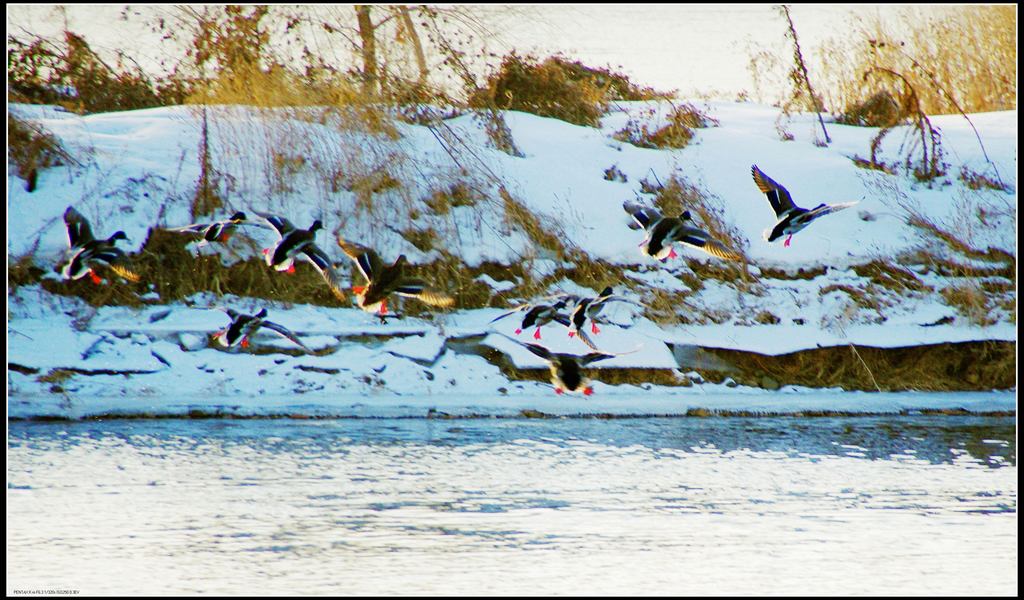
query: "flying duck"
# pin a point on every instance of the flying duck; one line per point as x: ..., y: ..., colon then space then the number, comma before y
x: 217, y: 231
x: 791, y: 217
x: 566, y: 369
x: 299, y: 243
x: 588, y: 308
x: 539, y: 315
x: 664, y: 232
x: 243, y: 326
x: 383, y: 280
x: 87, y: 251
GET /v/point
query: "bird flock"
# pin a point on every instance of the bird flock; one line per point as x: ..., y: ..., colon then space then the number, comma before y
x: 663, y: 233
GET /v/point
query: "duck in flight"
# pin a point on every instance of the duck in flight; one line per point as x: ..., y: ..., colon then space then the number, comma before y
x: 587, y: 309
x: 299, y: 244
x: 539, y: 314
x: 791, y: 217
x: 566, y: 369
x: 87, y: 252
x: 243, y: 327
x: 382, y: 280
x: 217, y: 231
x: 664, y: 232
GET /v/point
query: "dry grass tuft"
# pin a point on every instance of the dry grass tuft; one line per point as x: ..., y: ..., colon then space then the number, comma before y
x: 952, y: 240
x: 880, y: 110
x: 56, y: 376
x: 22, y: 270
x: 521, y: 218
x: 676, y: 133
x: 864, y: 163
x: 971, y: 301
x: 864, y: 298
x: 459, y: 193
x: 978, y: 181
x: 938, y: 367
x: 958, y: 58
x: 424, y: 240
x: 31, y: 148
x: 891, y: 276
x: 669, y: 308
x: 557, y: 87
x: 801, y: 273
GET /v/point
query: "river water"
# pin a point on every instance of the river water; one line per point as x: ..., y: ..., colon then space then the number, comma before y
x: 851, y: 505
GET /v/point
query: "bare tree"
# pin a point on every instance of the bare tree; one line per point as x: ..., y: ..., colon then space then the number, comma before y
x: 800, y: 71
x: 368, y: 37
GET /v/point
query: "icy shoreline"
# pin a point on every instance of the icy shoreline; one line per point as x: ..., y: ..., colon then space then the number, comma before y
x: 68, y: 360
x: 608, y: 402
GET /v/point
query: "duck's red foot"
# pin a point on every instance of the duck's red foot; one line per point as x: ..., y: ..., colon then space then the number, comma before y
x: 266, y: 251
x: 518, y: 331
x: 227, y: 236
x: 572, y: 333
x: 559, y: 391
x: 672, y: 253
x: 359, y: 289
x: 536, y: 334
x: 290, y: 270
x: 588, y: 391
x: 95, y: 278
x: 789, y: 239
x: 245, y: 342
x: 594, y: 329
x: 383, y: 307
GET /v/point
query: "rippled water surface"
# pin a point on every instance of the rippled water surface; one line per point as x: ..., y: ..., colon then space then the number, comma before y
x: 924, y: 504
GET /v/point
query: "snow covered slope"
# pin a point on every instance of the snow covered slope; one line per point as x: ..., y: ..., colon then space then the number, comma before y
x: 138, y: 170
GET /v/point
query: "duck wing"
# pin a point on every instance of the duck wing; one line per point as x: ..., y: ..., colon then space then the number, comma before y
x: 581, y: 333
x: 578, y: 315
x: 317, y: 257
x: 777, y: 195
x: 231, y: 313
x: 515, y: 310
x: 823, y: 210
x: 125, y: 271
x: 698, y: 238
x: 643, y: 216
x: 282, y: 225
x: 199, y: 228
x: 594, y: 357
x: 286, y: 333
x: 417, y: 288
x: 537, y: 349
x: 369, y: 263
x: 79, y: 232
x: 115, y: 258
